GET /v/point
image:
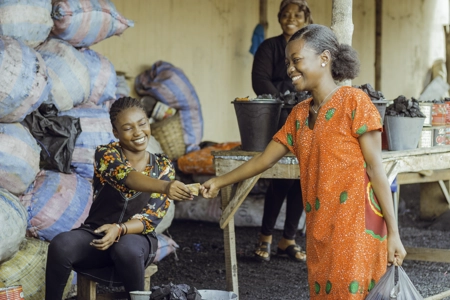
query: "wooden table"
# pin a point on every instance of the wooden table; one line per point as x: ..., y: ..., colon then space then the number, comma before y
x: 405, y: 165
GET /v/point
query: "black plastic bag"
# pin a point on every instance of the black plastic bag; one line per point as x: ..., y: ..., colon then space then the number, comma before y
x: 56, y: 135
x: 387, y: 289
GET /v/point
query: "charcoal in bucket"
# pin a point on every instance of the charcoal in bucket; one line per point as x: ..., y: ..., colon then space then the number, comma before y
x: 257, y: 121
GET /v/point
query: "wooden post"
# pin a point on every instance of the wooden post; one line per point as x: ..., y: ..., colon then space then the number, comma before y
x: 447, y: 50
x: 263, y: 15
x: 342, y: 24
x: 378, y: 34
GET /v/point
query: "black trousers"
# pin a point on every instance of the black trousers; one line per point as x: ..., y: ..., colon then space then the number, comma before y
x: 280, y: 189
x: 71, y: 249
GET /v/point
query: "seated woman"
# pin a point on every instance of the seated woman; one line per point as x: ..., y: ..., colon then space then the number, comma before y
x: 132, y: 188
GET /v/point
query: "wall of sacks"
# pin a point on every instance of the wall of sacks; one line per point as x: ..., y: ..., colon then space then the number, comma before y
x: 46, y: 66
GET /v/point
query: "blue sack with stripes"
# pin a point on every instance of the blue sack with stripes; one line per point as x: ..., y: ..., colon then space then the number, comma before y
x: 67, y: 68
x: 103, y: 77
x: 56, y: 202
x: 26, y: 20
x: 19, y: 158
x: 171, y: 86
x: 83, y: 23
x: 24, y: 84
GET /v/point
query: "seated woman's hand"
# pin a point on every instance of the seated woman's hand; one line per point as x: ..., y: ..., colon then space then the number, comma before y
x: 176, y: 190
x: 111, y: 232
x: 209, y: 189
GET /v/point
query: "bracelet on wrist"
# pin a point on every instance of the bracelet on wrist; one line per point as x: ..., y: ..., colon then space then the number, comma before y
x: 119, y: 233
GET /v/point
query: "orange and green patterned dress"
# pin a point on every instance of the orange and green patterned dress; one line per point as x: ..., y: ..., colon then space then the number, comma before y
x: 345, y: 230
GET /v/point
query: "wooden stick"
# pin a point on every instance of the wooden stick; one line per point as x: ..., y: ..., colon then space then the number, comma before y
x: 242, y: 191
x: 439, y: 296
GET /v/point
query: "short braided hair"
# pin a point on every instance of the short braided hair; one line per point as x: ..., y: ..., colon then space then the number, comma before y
x: 122, y: 104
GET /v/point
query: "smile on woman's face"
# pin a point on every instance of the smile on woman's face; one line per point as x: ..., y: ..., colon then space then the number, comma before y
x: 132, y: 129
x: 303, y: 65
x: 292, y: 20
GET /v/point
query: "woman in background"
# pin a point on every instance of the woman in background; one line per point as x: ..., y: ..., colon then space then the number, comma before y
x: 269, y: 76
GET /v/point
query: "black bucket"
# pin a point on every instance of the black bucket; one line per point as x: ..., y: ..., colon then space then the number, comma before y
x: 381, y: 106
x: 258, y: 122
x: 285, y: 111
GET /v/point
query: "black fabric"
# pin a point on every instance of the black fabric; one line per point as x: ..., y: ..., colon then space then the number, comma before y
x: 269, y: 74
x: 56, y: 135
x: 121, y: 264
x: 111, y: 206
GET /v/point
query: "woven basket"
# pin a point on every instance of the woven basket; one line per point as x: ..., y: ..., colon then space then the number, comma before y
x: 169, y: 134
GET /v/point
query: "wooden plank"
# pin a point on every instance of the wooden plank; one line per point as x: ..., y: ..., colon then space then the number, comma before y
x: 263, y: 15
x: 439, y: 296
x: 417, y: 177
x: 428, y: 254
x: 444, y: 191
x: 292, y: 171
x: 229, y: 239
x: 378, y: 40
x: 242, y: 191
x: 86, y: 289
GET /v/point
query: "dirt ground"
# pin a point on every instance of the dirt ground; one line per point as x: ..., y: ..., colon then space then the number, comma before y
x: 200, y: 261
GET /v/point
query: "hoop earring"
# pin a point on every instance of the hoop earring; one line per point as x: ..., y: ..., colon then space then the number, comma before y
x: 323, y: 65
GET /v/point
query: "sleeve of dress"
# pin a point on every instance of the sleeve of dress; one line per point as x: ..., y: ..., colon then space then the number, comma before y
x: 110, y: 168
x: 287, y: 134
x: 364, y: 114
x: 262, y: 71
x: 158, y: 204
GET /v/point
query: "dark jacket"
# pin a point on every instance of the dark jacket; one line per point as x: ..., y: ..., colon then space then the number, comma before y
x: 269, y: 74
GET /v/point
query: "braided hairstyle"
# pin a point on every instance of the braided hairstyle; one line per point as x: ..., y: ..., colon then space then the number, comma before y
x: 344, y: 59
x: 122, y: 104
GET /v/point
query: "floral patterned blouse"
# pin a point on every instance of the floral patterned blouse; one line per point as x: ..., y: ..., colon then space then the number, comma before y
x: 112, y: 167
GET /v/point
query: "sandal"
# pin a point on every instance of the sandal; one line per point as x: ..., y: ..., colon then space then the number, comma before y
x: 291, y: 252
x: 265, y: 248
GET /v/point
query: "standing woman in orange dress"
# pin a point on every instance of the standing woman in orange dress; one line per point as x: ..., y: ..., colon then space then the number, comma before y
x: 351, y: 229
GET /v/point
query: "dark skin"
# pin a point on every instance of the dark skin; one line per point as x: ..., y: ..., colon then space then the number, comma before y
x: 132, y: 129
x: 305, y: 68
x: 291, y: 20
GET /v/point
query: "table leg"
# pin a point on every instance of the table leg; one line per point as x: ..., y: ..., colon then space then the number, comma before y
x: 229, y: 239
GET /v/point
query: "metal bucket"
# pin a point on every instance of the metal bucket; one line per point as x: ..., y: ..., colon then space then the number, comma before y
x: 217, y: 295
x: 140, y: 295
x: 403, y: 133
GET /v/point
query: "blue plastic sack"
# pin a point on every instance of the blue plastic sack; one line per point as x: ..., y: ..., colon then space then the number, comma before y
x: 26, y: 20
x: 171, y: 86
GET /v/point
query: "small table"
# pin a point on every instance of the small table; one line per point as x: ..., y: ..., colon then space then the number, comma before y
x: 401, y: 164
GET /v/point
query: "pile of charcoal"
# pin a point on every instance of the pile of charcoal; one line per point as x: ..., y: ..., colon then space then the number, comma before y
x: 404, y: 107
x: 289, y: 98
x: 369, y: 90
x: 175, y: 292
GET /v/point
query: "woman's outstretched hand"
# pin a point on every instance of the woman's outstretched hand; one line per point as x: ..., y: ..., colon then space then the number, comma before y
x: 176, y: 190
x: 209, y: 189
x: 111, y: 232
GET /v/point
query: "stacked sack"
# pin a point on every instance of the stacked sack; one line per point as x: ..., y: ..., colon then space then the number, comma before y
x: 45, y: 60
